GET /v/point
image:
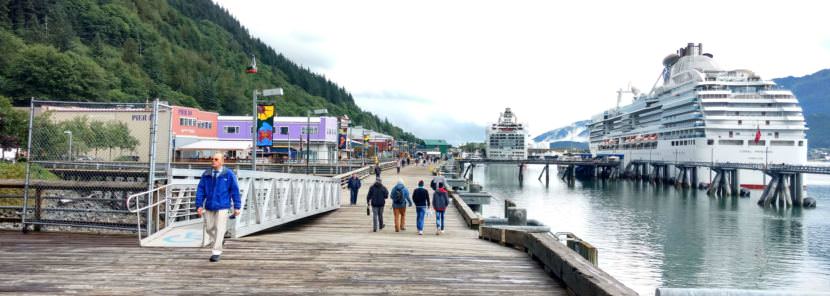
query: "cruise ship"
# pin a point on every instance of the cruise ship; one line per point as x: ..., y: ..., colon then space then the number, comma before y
x: 507, y: 139
x: 701, y: 112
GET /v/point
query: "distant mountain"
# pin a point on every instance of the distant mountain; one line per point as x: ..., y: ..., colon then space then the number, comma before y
x: 574, y: 135
x: 813, y: 92
x: 570, y: 145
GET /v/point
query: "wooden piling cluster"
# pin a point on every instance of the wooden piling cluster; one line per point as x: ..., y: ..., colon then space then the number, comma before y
x: 725, y: 183
x: 784, y: 190
x: 686, y: 176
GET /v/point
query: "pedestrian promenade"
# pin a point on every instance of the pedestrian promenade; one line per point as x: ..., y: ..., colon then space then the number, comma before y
x: 334, y: 253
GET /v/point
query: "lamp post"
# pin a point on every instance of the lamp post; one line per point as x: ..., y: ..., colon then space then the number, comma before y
x: 712, y: 159
x: 69, y: 156
x: 362, y: 148
x: 254, y: 114
x: 308, y: 134
x: 766, y: 163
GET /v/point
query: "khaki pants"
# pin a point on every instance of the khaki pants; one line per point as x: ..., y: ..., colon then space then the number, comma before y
x: 216, y: 223
x: 400, y: 218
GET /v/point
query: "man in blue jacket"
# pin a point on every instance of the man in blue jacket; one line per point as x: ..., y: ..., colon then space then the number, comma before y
x: 217, y: 187
x: 354, y: 186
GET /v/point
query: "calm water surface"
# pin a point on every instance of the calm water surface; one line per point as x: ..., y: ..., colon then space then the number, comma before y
x: 654, y: 236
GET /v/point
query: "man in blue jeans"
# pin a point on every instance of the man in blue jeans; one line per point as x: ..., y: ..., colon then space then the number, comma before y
x: 217, y: 188
x: 354, y: 186
x: 421, y: 199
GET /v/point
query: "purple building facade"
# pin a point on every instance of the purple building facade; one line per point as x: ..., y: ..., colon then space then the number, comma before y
x: 289, y: 135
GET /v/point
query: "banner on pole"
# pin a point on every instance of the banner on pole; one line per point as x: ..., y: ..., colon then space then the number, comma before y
x: 265, y: 125
x: 341, y: 142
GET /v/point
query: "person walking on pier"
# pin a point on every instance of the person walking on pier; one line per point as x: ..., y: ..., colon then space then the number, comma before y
x: 217, y: 188
x: 400, y: 200
x: 377, y: 200
x: 438, y: 180
x: 377, y: 171
x: 398, y: 165
x: 421, y: 199
x: 354, y: 186
x: 440, y: 201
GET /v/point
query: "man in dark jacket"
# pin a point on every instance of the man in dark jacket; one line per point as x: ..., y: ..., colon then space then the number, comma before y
x: 377, y: 199
x: 354, y: 186
x: 421, y: 199
x: 217, y: 188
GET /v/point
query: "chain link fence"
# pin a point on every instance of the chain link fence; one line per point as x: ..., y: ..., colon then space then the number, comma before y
x: 84, y: 159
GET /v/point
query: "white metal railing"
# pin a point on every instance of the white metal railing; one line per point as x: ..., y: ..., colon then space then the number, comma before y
x: 271, y: 199
x: 164, y: 207
x: 268, y: 199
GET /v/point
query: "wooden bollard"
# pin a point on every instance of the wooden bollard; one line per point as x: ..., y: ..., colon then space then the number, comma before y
x: 508, y: 204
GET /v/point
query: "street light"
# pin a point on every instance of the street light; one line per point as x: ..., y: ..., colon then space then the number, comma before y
x: 254, y: 114
x: 70, y: 144
x: 362, y: 148
x: 308, y: 134
x: 766, y: 163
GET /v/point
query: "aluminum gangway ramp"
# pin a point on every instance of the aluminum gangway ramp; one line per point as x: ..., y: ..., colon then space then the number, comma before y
x: 166, y: 216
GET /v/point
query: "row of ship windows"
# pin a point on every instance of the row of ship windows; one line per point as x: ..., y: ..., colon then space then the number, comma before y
x: 727, y: 96
x: 735, y: 88
x: 709, y: 142
x: 748, y: 105
x: 507, y: 137
x: 683, y: 143
x: 745, y: 113
x: 733, y: 133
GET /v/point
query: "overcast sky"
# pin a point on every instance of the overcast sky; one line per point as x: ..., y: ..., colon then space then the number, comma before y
x: 445, y: 69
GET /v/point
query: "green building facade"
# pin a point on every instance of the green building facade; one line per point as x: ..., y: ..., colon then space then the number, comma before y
x: 441, y: 145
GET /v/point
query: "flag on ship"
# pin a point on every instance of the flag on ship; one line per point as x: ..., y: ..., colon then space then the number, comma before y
x: 757, y: 134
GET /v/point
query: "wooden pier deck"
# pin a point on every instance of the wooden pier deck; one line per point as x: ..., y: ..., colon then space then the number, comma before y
x: 334, y: 253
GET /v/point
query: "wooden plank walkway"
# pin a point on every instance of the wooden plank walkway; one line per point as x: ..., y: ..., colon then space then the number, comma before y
x: 334, y: 253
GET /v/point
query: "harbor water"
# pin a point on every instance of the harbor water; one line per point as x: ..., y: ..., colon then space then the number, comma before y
x: 652, y: 236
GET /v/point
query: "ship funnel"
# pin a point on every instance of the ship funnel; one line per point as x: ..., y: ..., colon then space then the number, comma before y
x: 690, y: 50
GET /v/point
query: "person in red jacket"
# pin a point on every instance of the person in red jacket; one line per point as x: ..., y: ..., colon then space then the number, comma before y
x: 440, y: 201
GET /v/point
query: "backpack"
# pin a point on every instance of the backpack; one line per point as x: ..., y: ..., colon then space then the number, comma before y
x: 397, y: 195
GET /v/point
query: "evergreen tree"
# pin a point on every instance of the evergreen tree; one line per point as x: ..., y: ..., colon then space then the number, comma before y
x: 5, y: 11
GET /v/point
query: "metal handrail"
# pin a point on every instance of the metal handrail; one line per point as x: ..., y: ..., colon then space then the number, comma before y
x: 169, y: 214
x: 131, y: 197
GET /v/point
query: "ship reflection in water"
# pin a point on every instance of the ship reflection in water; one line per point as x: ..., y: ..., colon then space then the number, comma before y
x: 654, y: 236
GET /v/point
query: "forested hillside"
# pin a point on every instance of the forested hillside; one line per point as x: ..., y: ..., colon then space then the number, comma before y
x: 188, y: 52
